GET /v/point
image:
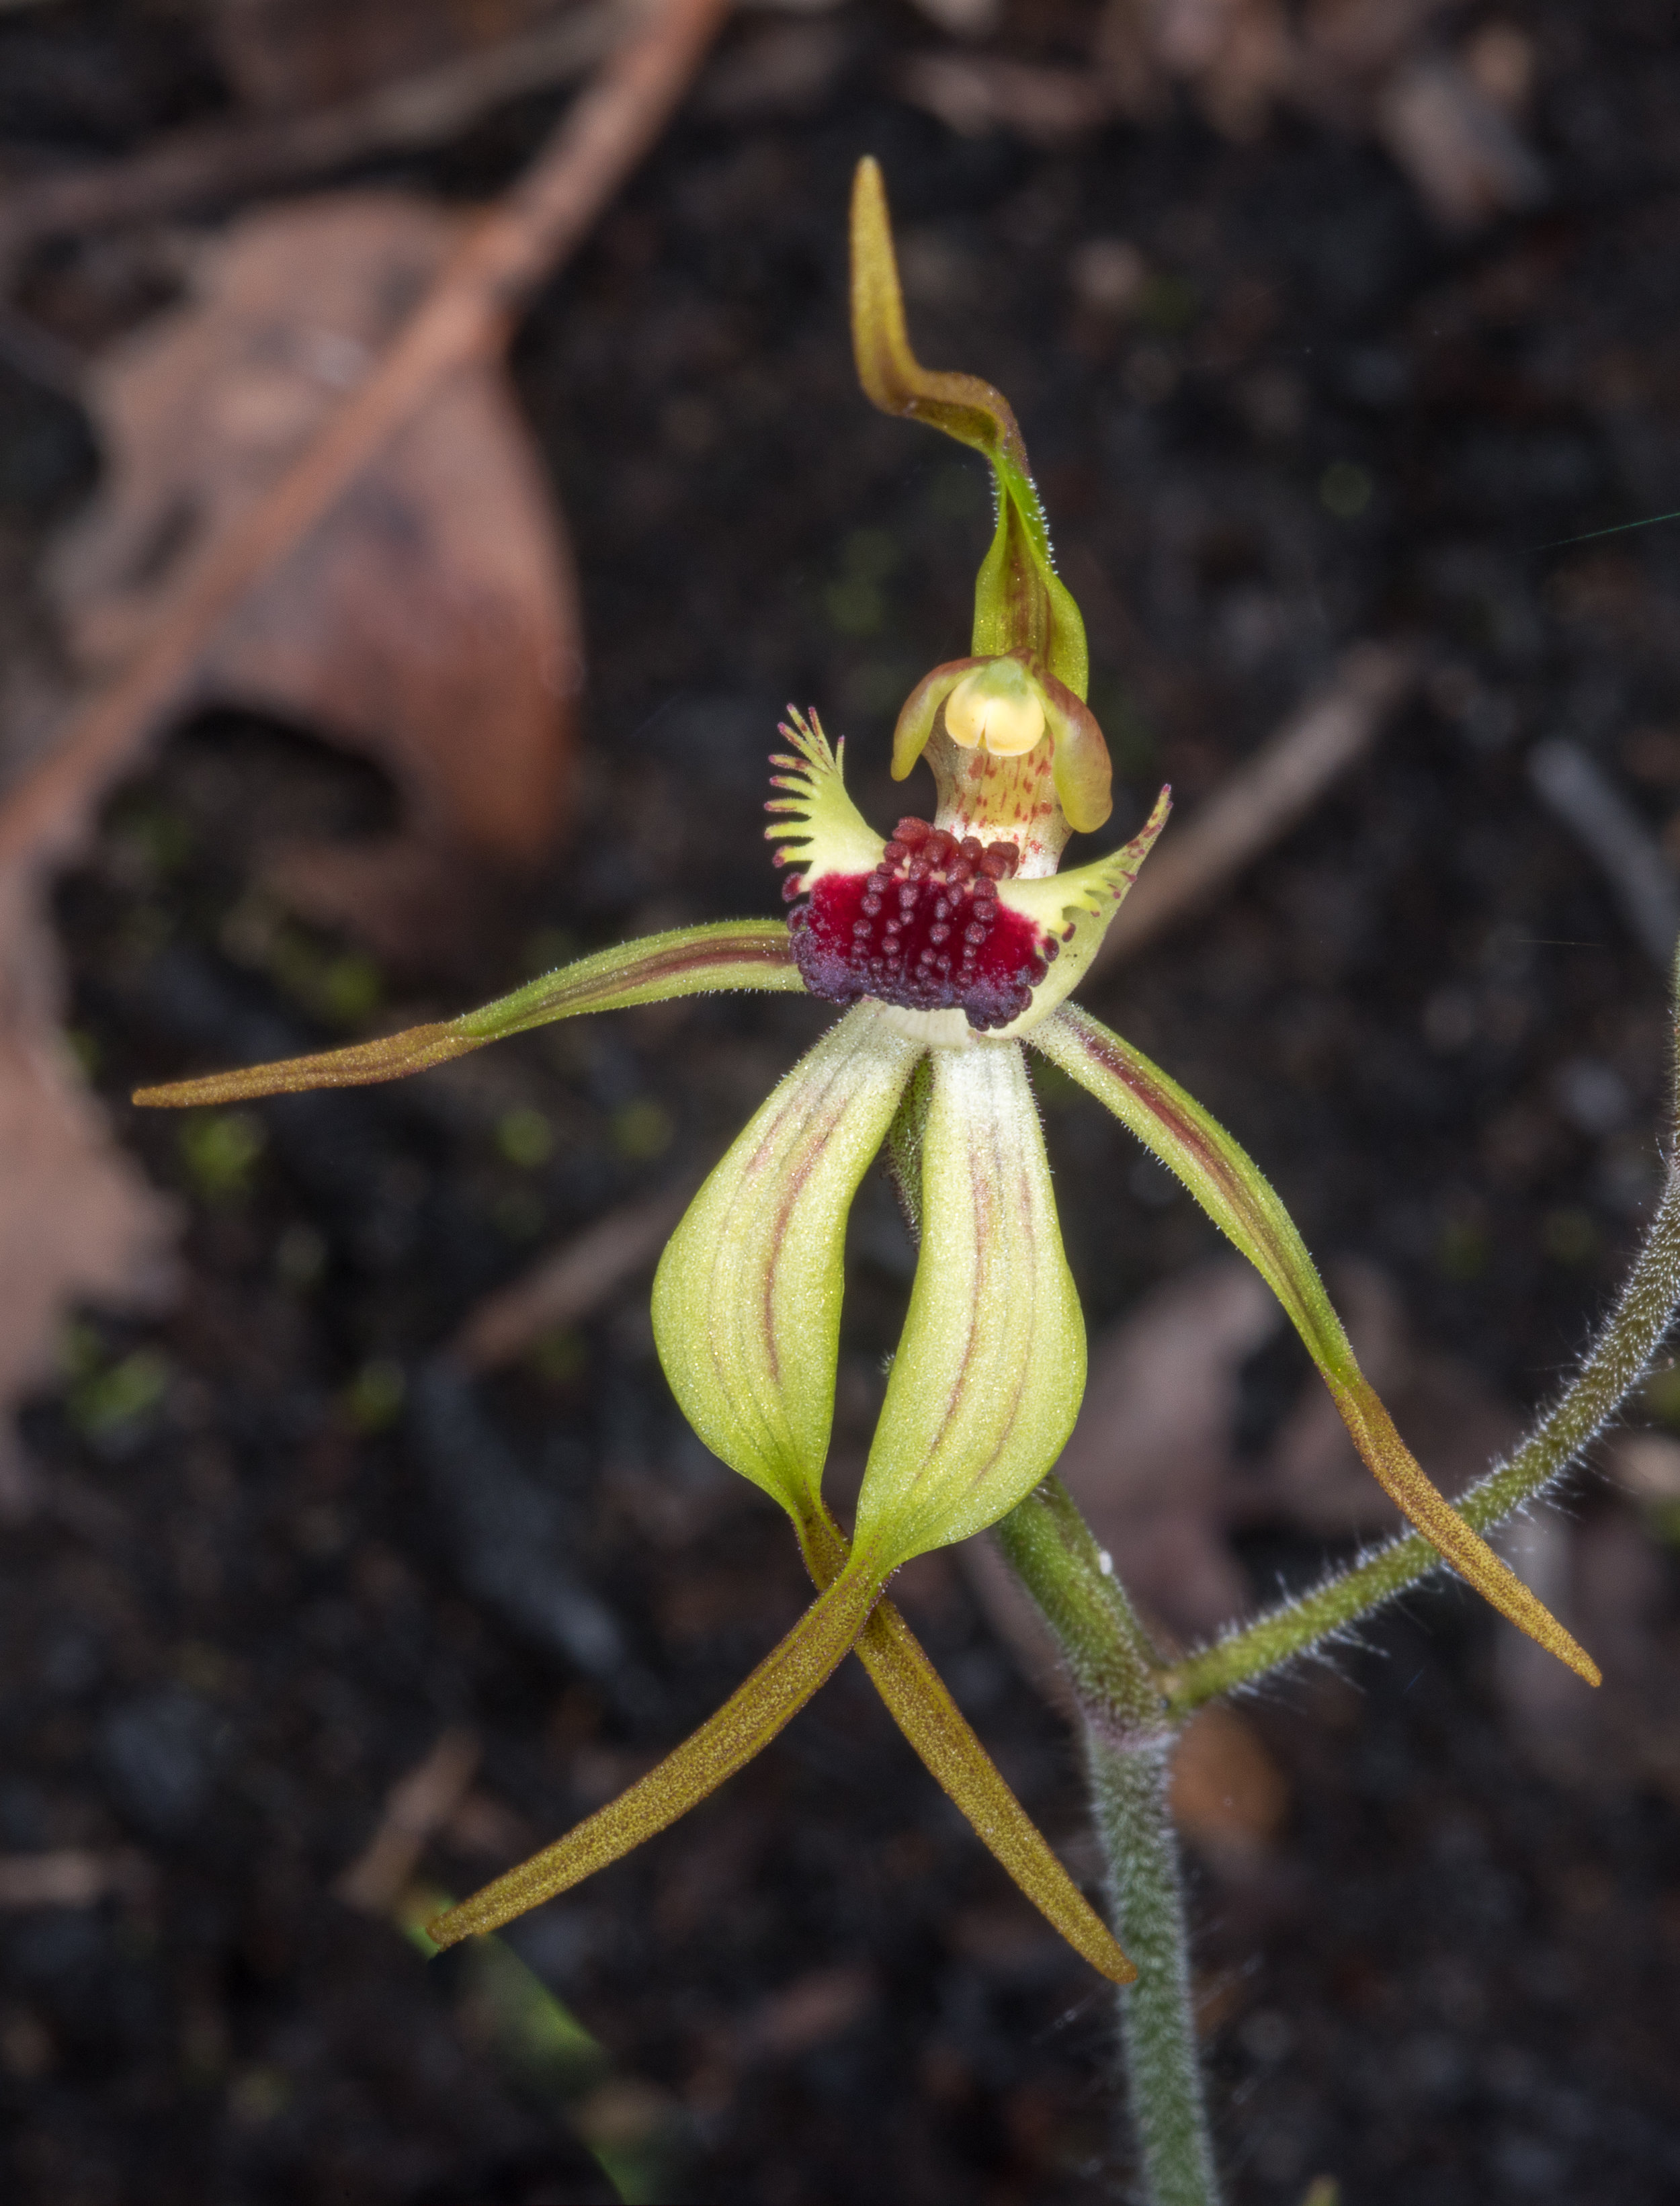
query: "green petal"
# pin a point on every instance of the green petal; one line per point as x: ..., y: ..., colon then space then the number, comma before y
x: 1082, y: 771
x: 988, y: 1377
x: 1078, y: 907
x: 921, y: 710
x: 1020, y: 603
x: 1236, y: 1195
x: 747, y: 1298
x: 747, y: 953
x: 743, y: 1726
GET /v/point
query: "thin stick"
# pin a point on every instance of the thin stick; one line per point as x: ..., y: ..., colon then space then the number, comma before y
x: 416, y: 1806
x: 1262, y: 800
x: 223, y: 160
x: 466, y: 316
x: 571, y: 1282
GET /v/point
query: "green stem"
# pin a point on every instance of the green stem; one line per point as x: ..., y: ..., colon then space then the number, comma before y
x: 1614, y: 1366
x: 1128, y: 1788
x: 1113, y: 1663
x: 1115, y: 1671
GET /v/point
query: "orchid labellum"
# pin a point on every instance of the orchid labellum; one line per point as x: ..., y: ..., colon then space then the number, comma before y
x: 953, y: 944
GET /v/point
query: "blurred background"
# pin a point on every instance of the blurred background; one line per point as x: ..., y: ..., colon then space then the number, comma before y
x: 352, y: 1546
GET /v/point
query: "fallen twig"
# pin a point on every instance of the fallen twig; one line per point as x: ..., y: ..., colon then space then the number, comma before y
x: 574, y: 1280
x: 1588, y: 803
x: 1263, y: 799
x: 73, y: 1876
x: 467, y: 315
x: 223, y: 160
x: 416, y: 1806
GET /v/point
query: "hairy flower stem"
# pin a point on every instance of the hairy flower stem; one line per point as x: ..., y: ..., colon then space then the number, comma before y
x: 1617, y: 1360
x: 1128, y: 1791
x: 1128, y: 1738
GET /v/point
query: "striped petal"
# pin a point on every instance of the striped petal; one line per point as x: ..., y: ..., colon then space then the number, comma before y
x: 747, y: 1298
x: 688, y: 961
x: 1235, y: 1194
x: 990, y: 1371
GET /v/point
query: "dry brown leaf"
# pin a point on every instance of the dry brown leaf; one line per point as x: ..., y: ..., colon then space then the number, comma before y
x: 1150, y: 1457
x: 430, y: 622
x: 78, y: 1221
x: 458, y: 669
x: 1229, y: 1797
x: 571, y: 1282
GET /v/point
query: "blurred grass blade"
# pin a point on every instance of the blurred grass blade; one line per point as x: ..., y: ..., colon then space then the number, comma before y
x: 636, y: 2132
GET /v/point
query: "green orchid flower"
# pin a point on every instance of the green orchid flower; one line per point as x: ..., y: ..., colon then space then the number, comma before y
x: 953, y: 944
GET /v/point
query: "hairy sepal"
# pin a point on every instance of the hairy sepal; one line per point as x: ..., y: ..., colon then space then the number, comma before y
x: 1230, y: 1187
x: 917, y: 1700
x: 990, y: 1367
x: 746, y: 1297
x: 688, y: 960
x: 743, y: 1726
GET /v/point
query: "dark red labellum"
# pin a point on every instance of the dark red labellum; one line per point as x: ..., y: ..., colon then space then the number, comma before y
x: 925, y: 930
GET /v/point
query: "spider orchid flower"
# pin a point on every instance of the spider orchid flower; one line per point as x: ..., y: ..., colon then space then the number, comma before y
x: 953, y: 944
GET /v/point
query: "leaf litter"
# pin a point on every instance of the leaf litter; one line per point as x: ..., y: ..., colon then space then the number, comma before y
x: 429, y: 624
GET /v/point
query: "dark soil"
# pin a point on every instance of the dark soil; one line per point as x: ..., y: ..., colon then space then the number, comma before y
x: 273, y: 1570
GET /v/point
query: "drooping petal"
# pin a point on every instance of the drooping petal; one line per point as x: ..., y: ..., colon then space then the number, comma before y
x: 916, y: 1698
x: 990, y: 1371
x: 775, y: 1693
x: 1020, y: 603
x: 749, y: 953
x: 1236, y: 1195
x: 1082, y: 769
x: 747, y: 1298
